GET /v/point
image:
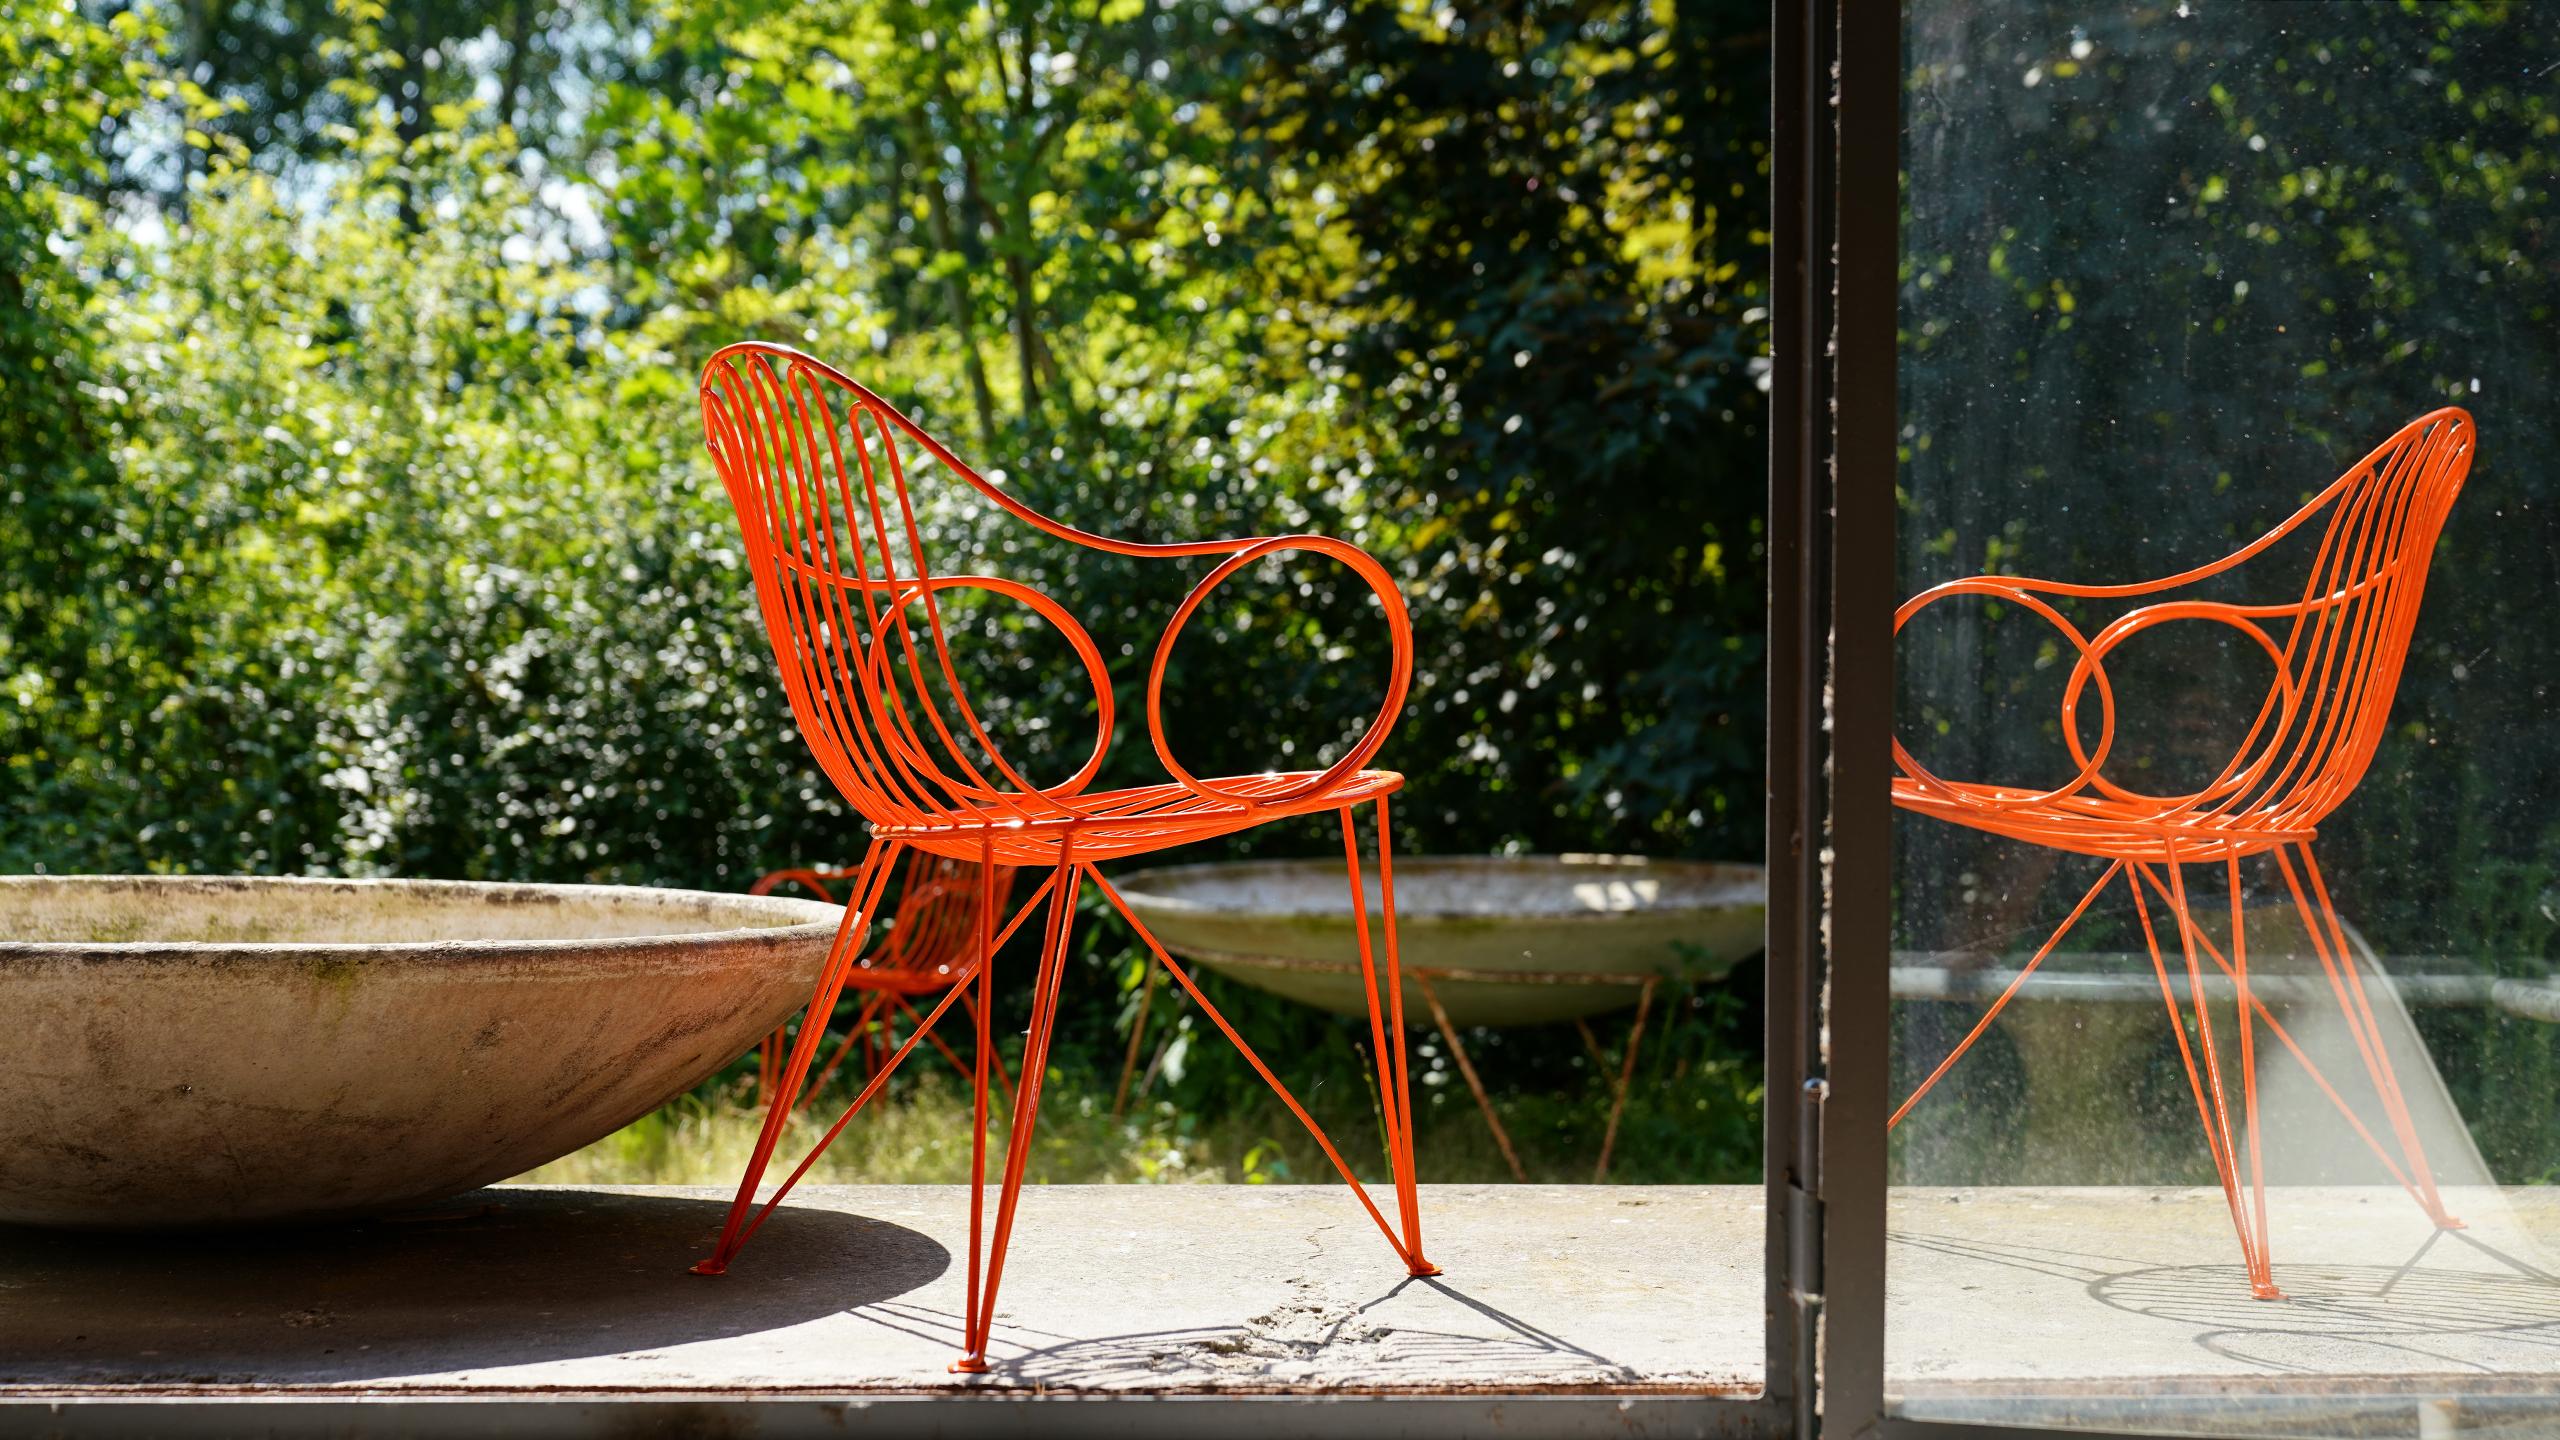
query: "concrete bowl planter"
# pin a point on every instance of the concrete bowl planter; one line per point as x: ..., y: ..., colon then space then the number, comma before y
x: 1504, y: 940
x: 217, y: 1051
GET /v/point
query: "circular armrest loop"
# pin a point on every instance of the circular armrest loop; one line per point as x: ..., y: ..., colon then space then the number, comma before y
x: 1399, y: 678
x: 908, y: 592
x: 2235, y: 775
x: 2000, y: 588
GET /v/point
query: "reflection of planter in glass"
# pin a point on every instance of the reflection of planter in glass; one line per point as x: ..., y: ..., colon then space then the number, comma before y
x: 1521, y: 940
x: 2086, y: 1028
x: 198, y: 1051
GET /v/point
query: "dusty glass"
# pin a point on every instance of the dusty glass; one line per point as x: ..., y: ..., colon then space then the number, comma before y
x: 2173, y: 275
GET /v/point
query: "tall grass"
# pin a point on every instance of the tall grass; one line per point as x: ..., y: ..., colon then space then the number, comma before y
x: 1692, y: 1116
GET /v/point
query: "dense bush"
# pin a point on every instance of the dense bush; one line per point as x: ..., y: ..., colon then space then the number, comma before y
x: 377, y: 533
x: 358, y: 520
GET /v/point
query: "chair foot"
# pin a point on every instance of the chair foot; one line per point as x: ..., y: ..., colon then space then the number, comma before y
x: 1422, y: 1269
x: 2265, y: 1290
x: 969, y: 1365
x: 709, y: 1267
x: 2450, y: 1222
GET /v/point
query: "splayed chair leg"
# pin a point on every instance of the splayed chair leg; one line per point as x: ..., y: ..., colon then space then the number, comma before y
x: 2222, y: 1167
x: 741, y: 1229
x: 1182, y: 978
x: 1983, y: 1026
x: 1385, y: 993
x: 979, y: 1010
x: 1026, y: 1114
x: 2346, y: 985
x: 2218, y: 1135
x: 2275, y: 1027
x: 804, y: 1049
x: 2263, y: 1284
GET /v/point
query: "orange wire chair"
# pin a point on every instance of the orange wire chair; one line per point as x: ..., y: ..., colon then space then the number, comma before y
x: 926, y: 949
x: 2337, y: 662
x: 818, y: 469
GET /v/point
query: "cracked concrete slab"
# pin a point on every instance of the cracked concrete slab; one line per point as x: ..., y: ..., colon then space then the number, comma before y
x: 2000, y: 1299
x: 1191, y: 1288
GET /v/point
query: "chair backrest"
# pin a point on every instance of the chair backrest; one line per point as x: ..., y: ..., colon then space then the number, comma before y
x: 935, y: 914
x: 818, y: 469
x: 2346, y: 640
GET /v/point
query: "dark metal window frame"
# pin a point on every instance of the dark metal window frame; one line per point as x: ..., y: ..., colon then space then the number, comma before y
x: 1836, y: 309
x: 1839, y: 173
x: 1837, y: 261
x: 1830, y: 531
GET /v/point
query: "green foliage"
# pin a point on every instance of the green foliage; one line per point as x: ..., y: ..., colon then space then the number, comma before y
x: 359, y: 522
x: 1559, y: 226
x: 65, y: 600
x: 2167, y: 273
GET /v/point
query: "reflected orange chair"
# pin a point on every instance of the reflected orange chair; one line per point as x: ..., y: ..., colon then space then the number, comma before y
x: 2337, y: 654
x: 926, y: 949
x: 819, y: 470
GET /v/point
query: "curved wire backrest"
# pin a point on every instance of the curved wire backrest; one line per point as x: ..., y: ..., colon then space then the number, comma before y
x: 2337, y: 657
x: 2350, y: 632
x: 935, y: 913
x: 818, y: 469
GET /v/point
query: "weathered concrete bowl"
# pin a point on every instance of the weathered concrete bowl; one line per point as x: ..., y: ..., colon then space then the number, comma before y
x: 215, y: 1051
x: 1504, y: 940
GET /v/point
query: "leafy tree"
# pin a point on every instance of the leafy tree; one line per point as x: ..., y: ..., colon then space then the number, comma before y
x: 362, y: 521
x: 1555, y: 210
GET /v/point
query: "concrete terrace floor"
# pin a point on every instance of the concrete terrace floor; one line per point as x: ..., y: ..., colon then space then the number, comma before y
x: 1184, y: 1288
x: 1999, y: 1296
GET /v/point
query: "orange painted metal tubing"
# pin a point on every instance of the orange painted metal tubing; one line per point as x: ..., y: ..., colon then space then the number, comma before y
x: 926, y: 949
x: 2337, y: 654
x: 819, y: 470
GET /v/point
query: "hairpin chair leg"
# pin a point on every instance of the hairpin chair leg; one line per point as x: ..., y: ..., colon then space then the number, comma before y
x: 871, y: 1031
x: 2346, y: 984
x: 2275, y: 1027
x: 1386, y: 1029
x: 2218, y: 1136
x: 981, y: 1314
x: 849, y: 937
x: 1412, y: 1256
x: 2249, y: 1070
x: 979, y: 1010
x: 2215, y: 1119
x: 740, y: 1229
x: 2018, y: 981
x: 2222, y: 1167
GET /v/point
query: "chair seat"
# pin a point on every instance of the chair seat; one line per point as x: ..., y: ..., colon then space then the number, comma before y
x: 2144, y: 829
x: 1114, y: 824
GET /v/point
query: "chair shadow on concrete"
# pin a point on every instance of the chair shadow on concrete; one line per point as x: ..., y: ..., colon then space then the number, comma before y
x: 495, y: 1278
x: 2337, y: 1319
x: 1306, y: 1342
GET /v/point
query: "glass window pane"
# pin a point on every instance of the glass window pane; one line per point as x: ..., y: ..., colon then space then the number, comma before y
x: 2203, y: 308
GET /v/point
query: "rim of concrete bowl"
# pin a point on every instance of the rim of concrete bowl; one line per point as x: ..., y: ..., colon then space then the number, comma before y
x: 814, y: 918
x: 1734, y: 882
